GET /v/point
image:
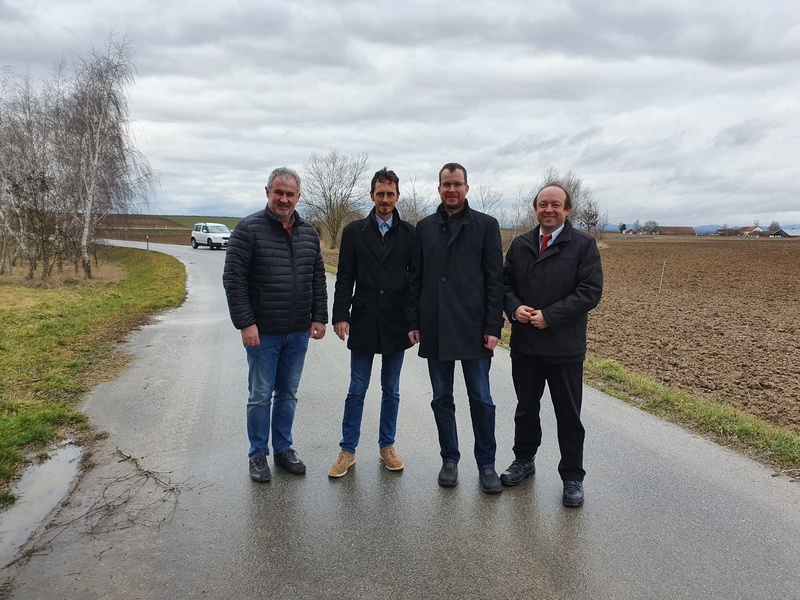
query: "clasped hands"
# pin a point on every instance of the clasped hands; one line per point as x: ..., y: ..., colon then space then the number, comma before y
x: 526, y: 314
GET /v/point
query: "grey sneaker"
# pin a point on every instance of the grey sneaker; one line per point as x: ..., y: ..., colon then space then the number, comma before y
x: 259, y: 469
x: 289, y: 461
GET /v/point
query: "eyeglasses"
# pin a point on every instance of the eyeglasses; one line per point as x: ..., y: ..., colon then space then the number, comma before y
x: 449, y: 186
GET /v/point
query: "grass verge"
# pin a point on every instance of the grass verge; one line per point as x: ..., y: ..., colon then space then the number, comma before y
x: 777, y: 447
x: 58, y: 342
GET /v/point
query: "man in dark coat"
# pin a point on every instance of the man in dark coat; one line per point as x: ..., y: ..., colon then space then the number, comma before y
x: 374, y: 256
x: 553, y: 278
x: 274, y: 281
x: 456, y: 313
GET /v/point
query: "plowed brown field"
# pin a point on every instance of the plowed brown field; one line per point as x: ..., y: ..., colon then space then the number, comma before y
x: 724, y: 323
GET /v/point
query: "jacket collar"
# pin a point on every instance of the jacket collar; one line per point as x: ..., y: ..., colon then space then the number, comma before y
x: 274, y: 220
x: 441, y: 215
x: 396, y: 220
x: 531, y: 239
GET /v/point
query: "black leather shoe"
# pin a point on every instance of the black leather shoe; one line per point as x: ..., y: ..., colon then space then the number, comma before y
x: 573, y: 493
x: 490, y: 482
x: 448, y: 476
x: 517, y: 472
x: 289, y: 461
x: 259, y: 469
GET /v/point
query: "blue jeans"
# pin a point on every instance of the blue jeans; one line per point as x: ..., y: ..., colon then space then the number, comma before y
x: 274, y: 373
x: 360, y: 371
x: 481, y: 408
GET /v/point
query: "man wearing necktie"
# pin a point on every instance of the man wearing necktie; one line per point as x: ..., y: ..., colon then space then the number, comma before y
x: 374, y: 256
x: 552, y: 278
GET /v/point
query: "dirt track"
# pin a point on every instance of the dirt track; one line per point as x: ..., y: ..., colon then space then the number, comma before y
x: 725, y: 323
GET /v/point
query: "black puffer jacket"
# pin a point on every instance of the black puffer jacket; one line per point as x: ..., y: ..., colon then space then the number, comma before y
x: 272, y: 279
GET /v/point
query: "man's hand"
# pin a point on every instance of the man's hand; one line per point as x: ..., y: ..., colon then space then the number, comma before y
x: 490, y: 342
x: 524, y: 314
x: 250, y: 336
x: 538, y: 321
x: 317, y: 330
x: 342, y: 329
x: 413, y: 335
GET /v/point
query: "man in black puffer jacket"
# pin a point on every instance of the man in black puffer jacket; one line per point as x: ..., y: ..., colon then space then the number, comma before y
x: 274, y: 281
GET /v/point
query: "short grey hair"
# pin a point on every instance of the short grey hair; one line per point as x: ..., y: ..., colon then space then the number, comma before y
x: 284, y: 173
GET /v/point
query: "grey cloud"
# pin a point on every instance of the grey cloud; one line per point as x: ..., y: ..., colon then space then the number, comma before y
x: 746, y: 133
x: 650, y: 102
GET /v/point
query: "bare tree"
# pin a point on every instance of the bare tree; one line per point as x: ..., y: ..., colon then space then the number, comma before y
x: 651, y: 227
x: 774, y: 226
x: 413, y: 204
x: 522, y: 212
x: 487, y: 198
x: 592, y: 218
x: 107, y: 171
x: 26, y: 170
x: 66, y: 159
x: 334, y: 189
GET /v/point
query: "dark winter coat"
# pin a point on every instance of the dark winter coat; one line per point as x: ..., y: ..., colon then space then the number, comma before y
x: 456, y: 286
x: 565, y: 283
x: 273, y: 279
x: 378, y: 266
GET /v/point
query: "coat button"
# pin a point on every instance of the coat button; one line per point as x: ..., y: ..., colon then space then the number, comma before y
x: 381, y: 292
x: 443, y: 279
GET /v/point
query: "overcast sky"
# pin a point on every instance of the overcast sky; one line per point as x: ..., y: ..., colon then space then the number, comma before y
x: 684, y: 112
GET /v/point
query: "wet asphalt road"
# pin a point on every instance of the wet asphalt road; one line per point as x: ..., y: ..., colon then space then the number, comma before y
x: 667, y: 515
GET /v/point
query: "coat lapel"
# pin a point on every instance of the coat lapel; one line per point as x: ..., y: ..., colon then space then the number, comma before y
x: 372, y: 237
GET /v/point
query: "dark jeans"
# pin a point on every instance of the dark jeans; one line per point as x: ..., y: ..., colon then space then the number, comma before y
x: 481, y: 408
x: 565, y: 380
x: 275, y: 367
x: 360, y: 372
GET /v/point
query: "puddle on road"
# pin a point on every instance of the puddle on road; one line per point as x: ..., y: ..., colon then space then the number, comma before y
x: 42, y: 486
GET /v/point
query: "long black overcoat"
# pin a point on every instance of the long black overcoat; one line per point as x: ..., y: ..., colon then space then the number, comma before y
x: 456, y: 288
x: 378, y: 266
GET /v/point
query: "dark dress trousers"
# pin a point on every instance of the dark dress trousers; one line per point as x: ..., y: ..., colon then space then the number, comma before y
x: 565, y: 282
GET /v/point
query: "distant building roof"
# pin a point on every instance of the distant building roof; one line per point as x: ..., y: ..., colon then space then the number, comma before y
x: 676, y: 230
x: 786, y: 232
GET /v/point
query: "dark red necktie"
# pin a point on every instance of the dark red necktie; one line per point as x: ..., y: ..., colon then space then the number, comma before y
x: 545, y: 239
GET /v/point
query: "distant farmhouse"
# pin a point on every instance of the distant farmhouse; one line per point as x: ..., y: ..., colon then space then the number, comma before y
x: 785, y: 233
x: 662, y: 231
x: 676, y: 230
x: 754, y: 230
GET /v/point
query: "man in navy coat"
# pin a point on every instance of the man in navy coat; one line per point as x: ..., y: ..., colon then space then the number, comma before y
x: 456, y: 314
x: 374, y: 257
